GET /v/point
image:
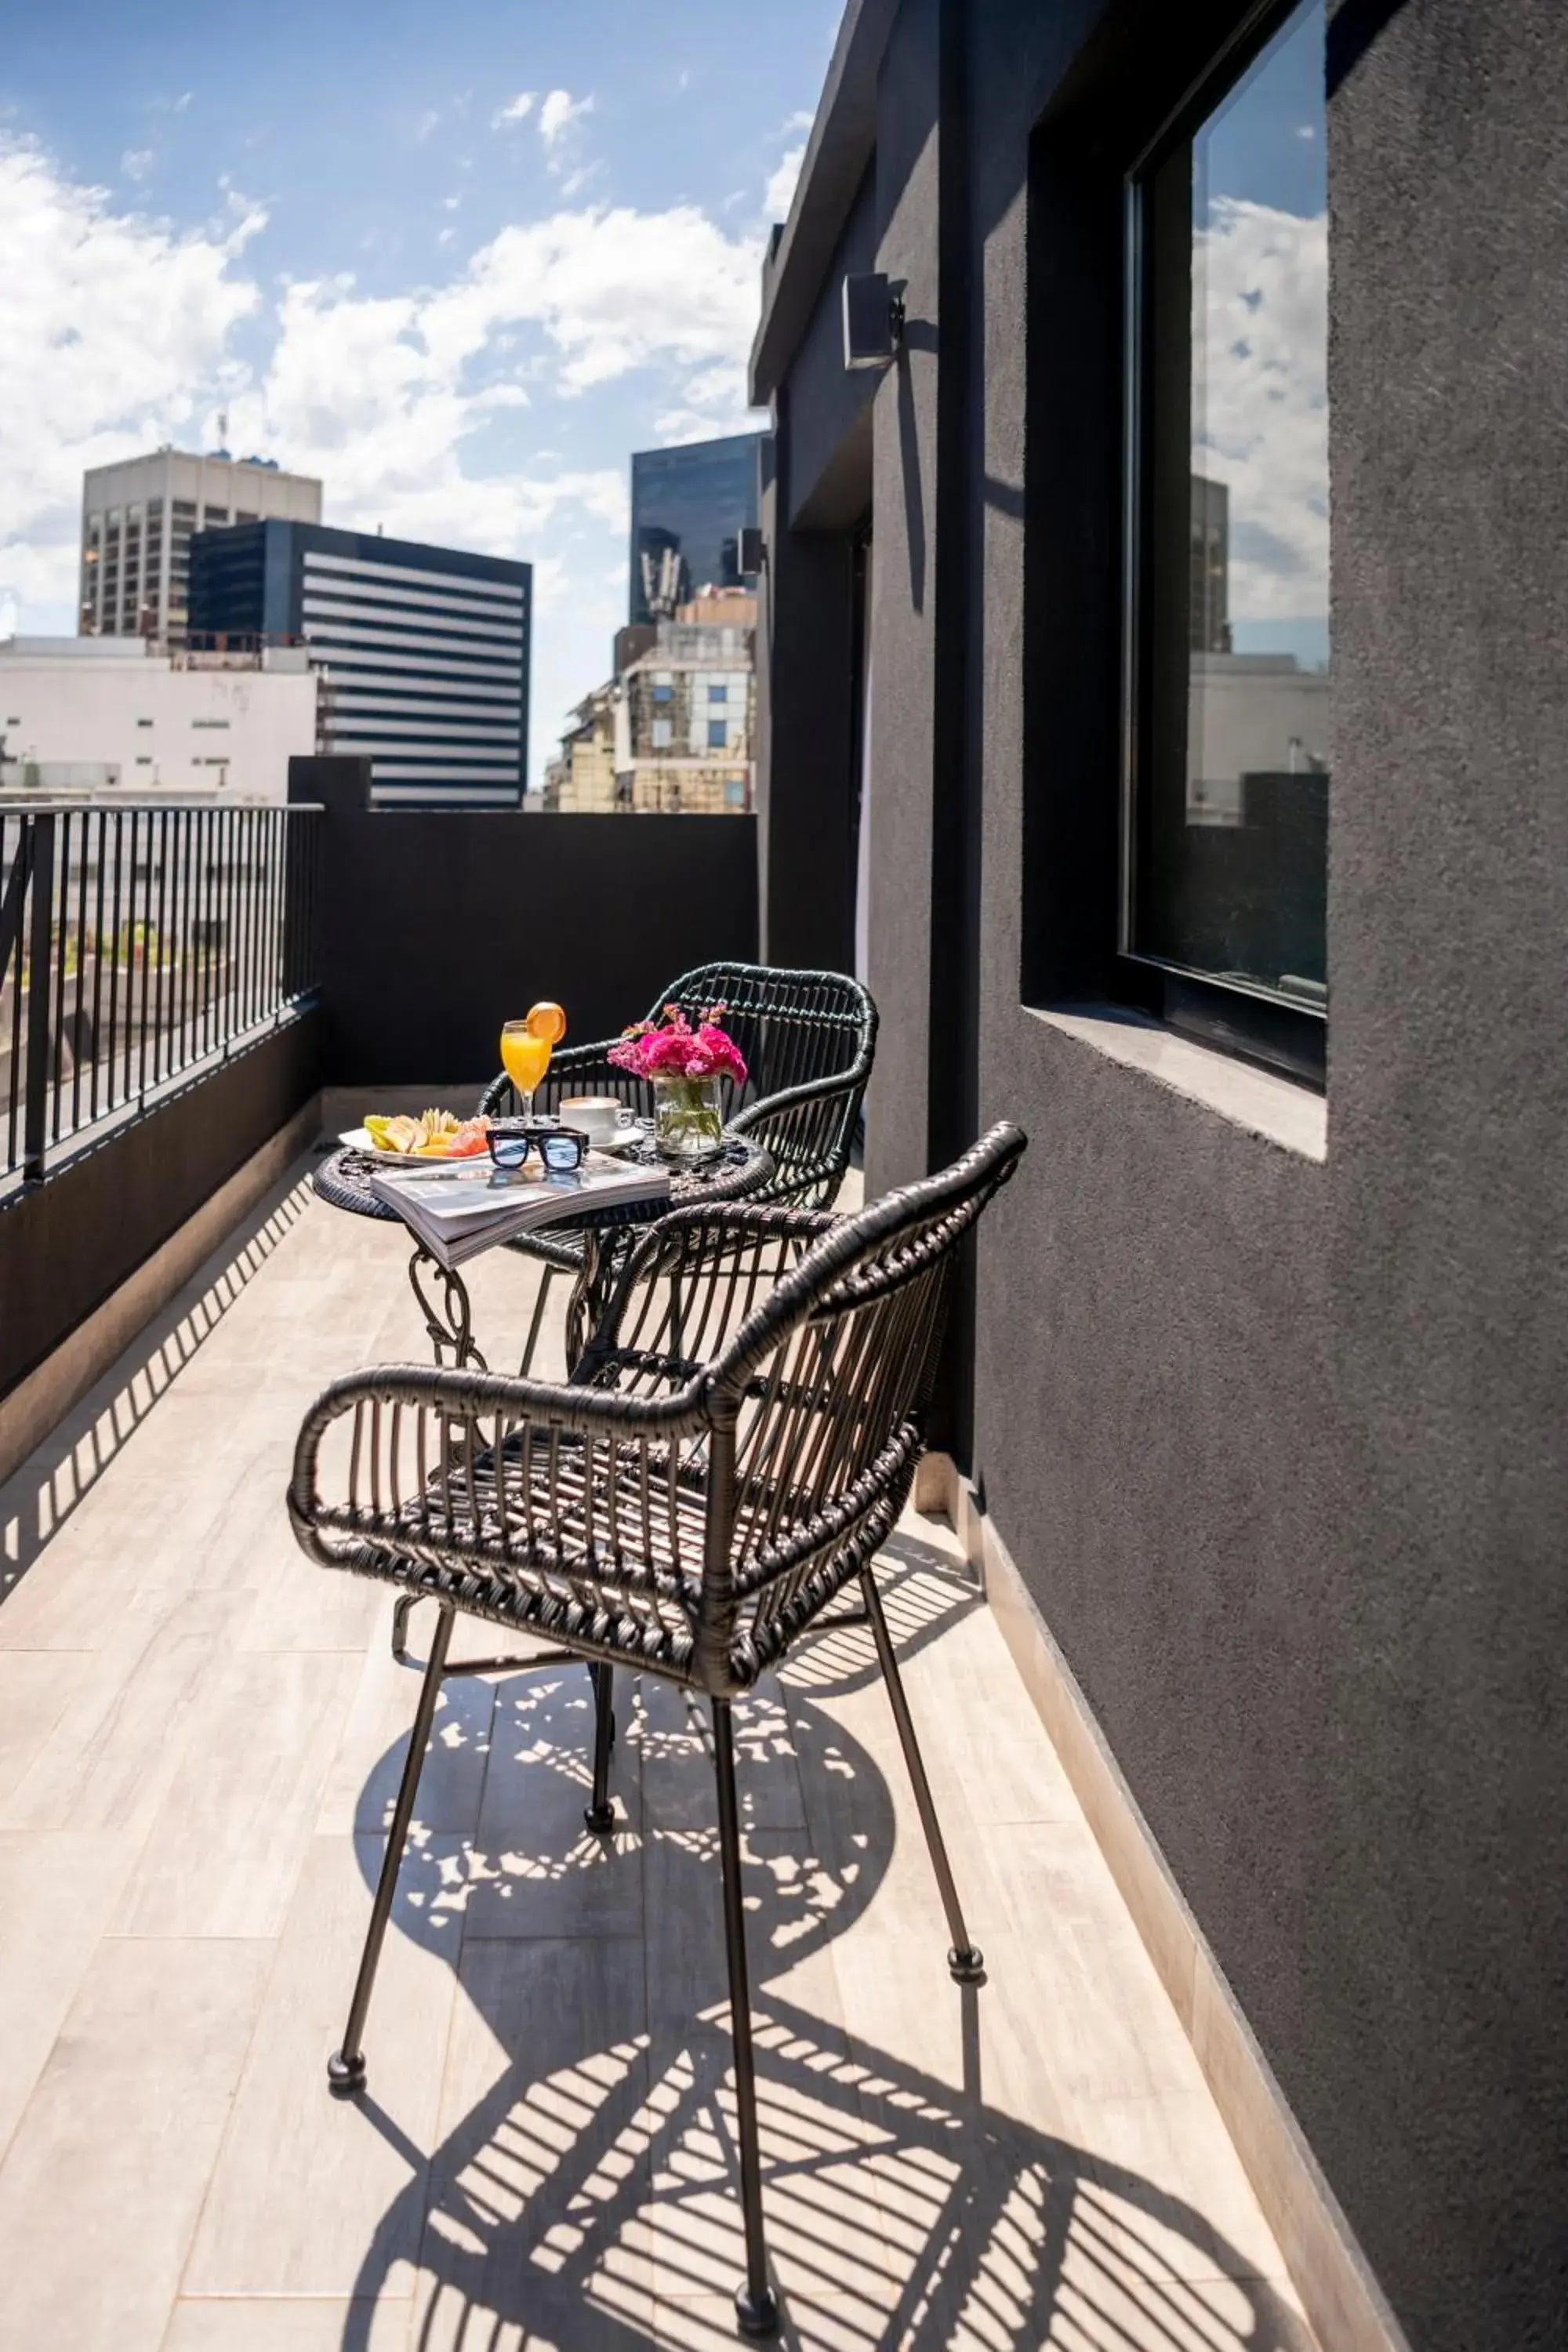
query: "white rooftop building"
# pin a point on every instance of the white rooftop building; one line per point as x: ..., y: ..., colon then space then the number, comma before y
x: 89, y: 715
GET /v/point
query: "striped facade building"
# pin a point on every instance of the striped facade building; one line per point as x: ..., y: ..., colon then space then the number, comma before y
x: 424, y: 650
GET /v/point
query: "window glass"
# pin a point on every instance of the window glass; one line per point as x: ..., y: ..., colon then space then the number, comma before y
x: 1229, y: 784
x: 718, y: 734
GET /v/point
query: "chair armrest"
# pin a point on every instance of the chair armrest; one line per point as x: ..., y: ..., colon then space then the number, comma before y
x: 421, y: 1439
x: 808, y: 1130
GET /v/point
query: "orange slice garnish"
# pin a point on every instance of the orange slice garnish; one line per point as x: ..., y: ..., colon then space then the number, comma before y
x: 547, y: 1021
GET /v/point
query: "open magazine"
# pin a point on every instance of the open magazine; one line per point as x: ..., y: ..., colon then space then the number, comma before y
x: 469, y: 1205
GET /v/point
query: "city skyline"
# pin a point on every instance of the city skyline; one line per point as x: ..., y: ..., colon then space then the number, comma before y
x: 460, y: 274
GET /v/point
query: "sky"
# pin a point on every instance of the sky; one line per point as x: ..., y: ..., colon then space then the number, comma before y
x: 459, y: 260
x: 1260, y: 294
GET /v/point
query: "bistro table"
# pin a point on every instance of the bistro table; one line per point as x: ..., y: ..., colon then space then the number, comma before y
x: 739, y: 1168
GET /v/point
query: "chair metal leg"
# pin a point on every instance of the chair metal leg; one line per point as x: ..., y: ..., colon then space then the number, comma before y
x: 546, y: 1274
x: 345, y: 2067
x: 755, y: 2306
x: 403, y: 1608
x: 600, y: 1815
x: 965, y: 1962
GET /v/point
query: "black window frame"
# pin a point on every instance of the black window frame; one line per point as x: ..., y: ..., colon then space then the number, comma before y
x: 1253, y: 1023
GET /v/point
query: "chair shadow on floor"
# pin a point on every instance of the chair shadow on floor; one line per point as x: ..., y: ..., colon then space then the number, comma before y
x: 590, y: 2197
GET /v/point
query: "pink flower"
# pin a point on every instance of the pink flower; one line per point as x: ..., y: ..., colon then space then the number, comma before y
x: 673, y: 1049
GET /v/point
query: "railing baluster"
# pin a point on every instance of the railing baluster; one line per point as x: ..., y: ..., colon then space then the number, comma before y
x: 35, y: 1116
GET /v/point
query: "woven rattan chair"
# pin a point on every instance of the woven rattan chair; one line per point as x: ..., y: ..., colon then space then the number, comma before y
x: 807, y: 1038
x: 737, y: 1444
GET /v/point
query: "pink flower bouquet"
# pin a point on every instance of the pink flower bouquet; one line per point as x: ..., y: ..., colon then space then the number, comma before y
x: 683, y: 1065
x: 672, y: 1048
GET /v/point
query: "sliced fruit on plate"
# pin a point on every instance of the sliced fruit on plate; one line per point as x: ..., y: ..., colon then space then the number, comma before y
x: 434, y: 1135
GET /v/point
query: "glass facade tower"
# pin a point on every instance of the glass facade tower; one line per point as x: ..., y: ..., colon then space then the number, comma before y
x: 689, y: 506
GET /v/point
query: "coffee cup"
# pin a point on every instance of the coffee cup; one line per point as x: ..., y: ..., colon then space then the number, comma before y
x: 601, y: 1118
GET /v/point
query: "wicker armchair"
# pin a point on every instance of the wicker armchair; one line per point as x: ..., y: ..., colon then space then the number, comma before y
x: 738, y: 1441
x: 807, y: 1038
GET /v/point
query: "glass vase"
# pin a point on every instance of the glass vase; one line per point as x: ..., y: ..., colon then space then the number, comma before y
x: 688, y: 1117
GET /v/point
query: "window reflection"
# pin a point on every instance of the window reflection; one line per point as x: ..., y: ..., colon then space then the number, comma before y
x: 1231, y: 791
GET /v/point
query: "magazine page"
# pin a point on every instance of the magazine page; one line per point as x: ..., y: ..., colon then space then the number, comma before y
x: 460, y: 1210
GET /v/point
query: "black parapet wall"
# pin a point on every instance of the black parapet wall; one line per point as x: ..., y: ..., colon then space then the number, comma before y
x: 437, y: 927
x: 68, y: 1243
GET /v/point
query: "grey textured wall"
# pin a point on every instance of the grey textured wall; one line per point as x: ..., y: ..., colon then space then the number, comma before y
x: 1279, y: 1445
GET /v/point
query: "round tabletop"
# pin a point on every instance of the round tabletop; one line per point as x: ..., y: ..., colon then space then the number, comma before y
x: 740, y: 1168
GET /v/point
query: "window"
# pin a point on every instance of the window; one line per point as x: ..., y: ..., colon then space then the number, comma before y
x: 143, y: 722
x: 736, y: 793
x: 663, y: 692
x: 661, y: 732
x: 718, y: 694
x: 718, y: 734
x: 1225, y: 843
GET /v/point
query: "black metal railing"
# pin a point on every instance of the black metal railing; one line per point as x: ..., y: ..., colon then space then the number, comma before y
x: 138, y: 944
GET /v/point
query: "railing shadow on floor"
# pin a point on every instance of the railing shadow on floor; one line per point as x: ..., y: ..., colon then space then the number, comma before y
x: 590, y: 2200
x: 40, y: 1495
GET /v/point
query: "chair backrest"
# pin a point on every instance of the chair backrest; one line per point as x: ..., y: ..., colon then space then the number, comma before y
x: 795, y: 1029
x: 828, y: 1380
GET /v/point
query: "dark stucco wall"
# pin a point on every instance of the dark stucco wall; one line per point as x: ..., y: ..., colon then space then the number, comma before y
x: 1280, y: 1444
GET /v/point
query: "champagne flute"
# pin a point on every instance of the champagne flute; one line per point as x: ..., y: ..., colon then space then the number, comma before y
x: 525, y: 1057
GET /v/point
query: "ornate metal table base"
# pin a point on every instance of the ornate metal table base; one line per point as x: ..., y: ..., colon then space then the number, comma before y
x: 450, y: 1319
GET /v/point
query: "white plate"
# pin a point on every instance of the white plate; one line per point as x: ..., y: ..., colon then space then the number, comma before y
x: 358, y: 1138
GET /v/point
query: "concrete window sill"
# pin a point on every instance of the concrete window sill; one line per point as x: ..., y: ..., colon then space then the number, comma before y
x: 1289, y: 1115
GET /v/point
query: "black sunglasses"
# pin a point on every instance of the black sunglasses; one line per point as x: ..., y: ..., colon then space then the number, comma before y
x: 562, y: 1148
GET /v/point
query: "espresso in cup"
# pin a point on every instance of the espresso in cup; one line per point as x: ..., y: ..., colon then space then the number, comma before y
x: 601, y: 1118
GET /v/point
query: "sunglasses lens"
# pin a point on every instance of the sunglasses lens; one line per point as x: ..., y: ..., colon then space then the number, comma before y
x: 562, y: 1152
x: 508, y: 1150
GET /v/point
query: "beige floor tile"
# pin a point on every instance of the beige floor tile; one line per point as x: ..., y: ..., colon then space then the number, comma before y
x: 299, y: 1606
x: 810, y: 2322
x: 78, y: 1591
x: 307, y: 2185
x: 824, y: 2220
x: 677, y: 1744
x: 36, y: 1688
x: 224, y: 1852
x: 101, y: 2185
x: 118, y: 1742
x: 538, y: 1870
x: 58, y: 1888
x: 287, y: 2324
x: 541, y: 2161
x: 362, y: 1782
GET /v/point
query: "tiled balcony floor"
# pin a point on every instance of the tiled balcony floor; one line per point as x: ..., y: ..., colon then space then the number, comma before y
x: 199, y: 1736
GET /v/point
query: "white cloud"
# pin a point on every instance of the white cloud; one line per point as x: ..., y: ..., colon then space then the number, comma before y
x: 119, y: 332
x: 516, y: 110
x: 114, y: 333
x: 137, y: 162
x: 1260, y: 422
x: 559, y: 113
x: 780, y: 193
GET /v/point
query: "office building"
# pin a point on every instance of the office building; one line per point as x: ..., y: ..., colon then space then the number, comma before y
x: 137, y: 522
x: 685, y: 714
x: 690, y: 507
x: 119, y: 716
x: 1208, y: 609
x: 424, y: 650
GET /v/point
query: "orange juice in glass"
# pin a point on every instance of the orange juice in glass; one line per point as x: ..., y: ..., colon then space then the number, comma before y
x: 525, y: 1048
